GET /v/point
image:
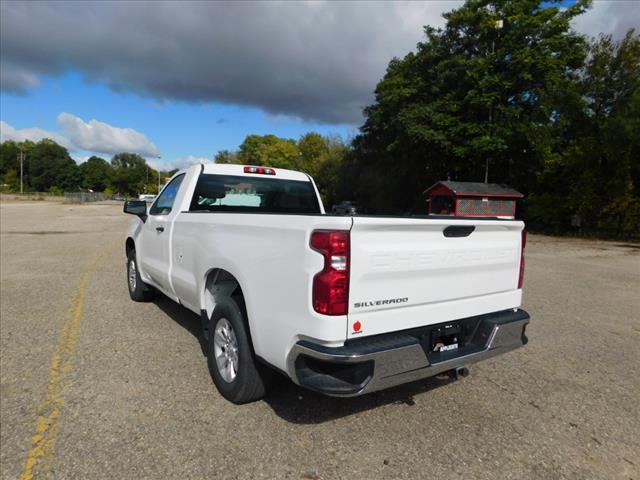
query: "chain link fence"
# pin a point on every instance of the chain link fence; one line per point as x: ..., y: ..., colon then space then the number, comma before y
x: 31, y: 196
x: 66, y: 197
x: 86, y: 197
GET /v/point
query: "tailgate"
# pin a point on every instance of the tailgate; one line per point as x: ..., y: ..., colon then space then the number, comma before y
x: 407, y: 273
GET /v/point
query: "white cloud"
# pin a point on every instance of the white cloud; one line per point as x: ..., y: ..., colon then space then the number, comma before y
x: 93, y: 136
x: 8, y: 132
x: 96, y: 136
x: 613, y: 17
x: 179, y: 163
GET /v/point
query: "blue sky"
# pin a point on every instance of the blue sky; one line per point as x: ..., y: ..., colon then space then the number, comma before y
x: 187, y: 79
x: 178, y: 129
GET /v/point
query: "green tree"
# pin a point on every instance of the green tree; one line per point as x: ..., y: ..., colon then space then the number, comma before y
x: 611, y: 144
x: 330, y: 174
x: 226, y: 156
x: 322, y: 157
x: 314, y: 150
x: 71, y: 179
x: 97, y: 174
x: 9, y: 158
x: 9, y: 152
x: 49, y: 164
x: 595, y: 171
x: 11, y: 181
x: 269, y: 150
x: 483, y: 87
x: 131, y: 173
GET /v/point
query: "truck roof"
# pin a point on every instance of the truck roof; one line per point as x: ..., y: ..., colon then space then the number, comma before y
x: 232, y: 169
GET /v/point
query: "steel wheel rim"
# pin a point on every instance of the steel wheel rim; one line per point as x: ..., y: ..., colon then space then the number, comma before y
x: 225, y: 350
x: 132, y: 275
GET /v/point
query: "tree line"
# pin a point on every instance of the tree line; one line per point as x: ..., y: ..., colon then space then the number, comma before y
x: 509, y: 83
x: 322, y: 157
x: 48, y: 167
x: 506, y: 87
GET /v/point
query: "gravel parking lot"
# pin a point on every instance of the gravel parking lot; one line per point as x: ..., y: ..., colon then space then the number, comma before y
x: 96, y: 386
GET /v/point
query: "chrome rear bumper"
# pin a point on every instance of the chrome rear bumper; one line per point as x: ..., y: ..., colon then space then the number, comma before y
x: 383, y: 361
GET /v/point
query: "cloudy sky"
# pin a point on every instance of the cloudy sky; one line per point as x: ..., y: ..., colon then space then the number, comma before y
x: 184, y: 80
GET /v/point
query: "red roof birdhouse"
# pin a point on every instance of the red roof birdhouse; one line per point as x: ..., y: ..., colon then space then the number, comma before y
x: 471, y: 199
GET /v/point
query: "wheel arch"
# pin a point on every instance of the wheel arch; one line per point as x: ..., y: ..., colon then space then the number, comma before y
x: 129, y: 246
x: 218, y: 283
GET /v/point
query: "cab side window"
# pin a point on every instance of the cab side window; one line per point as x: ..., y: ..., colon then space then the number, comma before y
x: 164, y: 203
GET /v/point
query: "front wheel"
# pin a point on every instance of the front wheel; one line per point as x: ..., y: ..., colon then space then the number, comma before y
x: 138, y: 290
x: 230, y: 355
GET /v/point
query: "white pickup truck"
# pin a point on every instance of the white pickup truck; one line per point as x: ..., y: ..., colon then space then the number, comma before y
x: 343, y: 305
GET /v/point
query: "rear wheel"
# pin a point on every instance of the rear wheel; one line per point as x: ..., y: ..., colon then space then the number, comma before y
x: 138, y: 290
x: 230, y: 356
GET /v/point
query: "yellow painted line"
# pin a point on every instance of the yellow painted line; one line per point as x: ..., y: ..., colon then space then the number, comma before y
x: 44, y: 439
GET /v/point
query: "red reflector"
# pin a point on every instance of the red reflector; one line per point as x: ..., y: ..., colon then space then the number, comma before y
x: 331, y: 285
x: 260, y: 170
x: 523, y: 242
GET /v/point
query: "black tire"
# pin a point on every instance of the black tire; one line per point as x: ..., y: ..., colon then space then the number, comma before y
x: 138, y: 290
x: 251, y: 380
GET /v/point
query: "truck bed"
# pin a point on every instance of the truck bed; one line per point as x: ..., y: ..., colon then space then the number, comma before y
x: 404, y: 272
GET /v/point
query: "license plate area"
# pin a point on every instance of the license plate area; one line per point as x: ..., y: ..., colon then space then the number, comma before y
x: 446, y: 338
x: 445, y: 341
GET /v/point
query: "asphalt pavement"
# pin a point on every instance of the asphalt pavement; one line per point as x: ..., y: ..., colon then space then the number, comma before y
x: 95, y: 386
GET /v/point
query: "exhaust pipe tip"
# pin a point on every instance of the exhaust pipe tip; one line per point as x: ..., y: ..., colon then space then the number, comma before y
x: 459, y: 372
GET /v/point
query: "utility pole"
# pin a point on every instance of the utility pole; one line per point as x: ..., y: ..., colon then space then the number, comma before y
x: 159, y: 157
x: 21, y: 170
x: 486, y: 160
x: 497, y: 25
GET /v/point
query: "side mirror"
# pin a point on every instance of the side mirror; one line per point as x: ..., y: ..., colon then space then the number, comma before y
x: 136, y: 207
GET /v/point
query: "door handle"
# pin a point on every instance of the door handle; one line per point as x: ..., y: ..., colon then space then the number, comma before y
x: 458, y: 230
x: 159, y: 229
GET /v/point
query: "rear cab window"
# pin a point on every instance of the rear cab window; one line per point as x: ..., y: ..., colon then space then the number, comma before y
x: 248, y: 194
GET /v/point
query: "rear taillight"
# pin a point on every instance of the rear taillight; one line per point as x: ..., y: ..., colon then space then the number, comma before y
x: 331, y: 285
x: 523, y: 242
x: 260, y: 170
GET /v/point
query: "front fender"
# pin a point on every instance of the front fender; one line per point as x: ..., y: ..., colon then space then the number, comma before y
x: 135, y: 229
